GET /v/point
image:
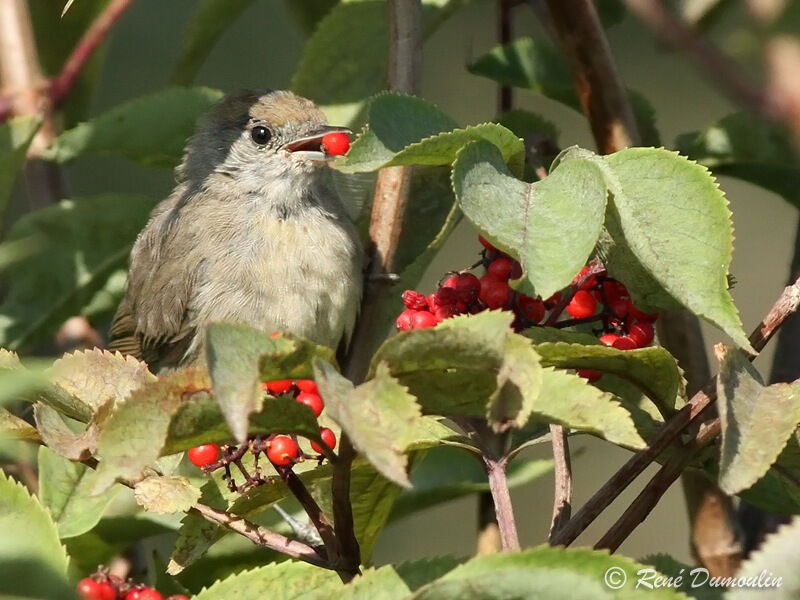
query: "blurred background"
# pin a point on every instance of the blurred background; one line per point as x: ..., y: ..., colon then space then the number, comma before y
x: 262, y: 49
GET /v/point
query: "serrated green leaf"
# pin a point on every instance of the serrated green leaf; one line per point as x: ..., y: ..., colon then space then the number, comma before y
x: 395, y: 121
x: 282, y: 581
x: 210, y: 20
x: 519, y: 382
x: 653, y: 370
x: 776, y: 558
x: 165, y: 494
x: 568, y: 400
x: 65, y: 489
x: 15, y: 137
x: 536, y: 66
x: 396, y: 582
x: 750, y: 148
x: 241, y: 357
x: 379, y: 416
x: 668, y: 566
x: 133, y: 436
x: 196, y: 534
x: 670, y: 208
x: 552, y: 225
x: 79, y: 244
x: 757, y: 421
x: 778, y: 490
x: 151, y: 130
x: 96, y: 376
x: 545, y: 572
x: 14, y: 428
x: 33, y: 563
x: 67, y: 441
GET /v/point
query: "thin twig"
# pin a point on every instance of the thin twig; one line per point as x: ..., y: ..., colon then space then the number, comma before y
x: 784, y: 306
x: 504, y: 510
x: 61, y: 85
x: 562, y: 497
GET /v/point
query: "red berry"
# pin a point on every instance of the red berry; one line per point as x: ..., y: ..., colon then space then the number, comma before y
x: 206, y: 454
x: 312, y: 400
x: 625, y: 343
x: 282, y: 450
x: 589, y: 374
x: 415, y: 300
x: 307, y: 385
x: 486, y: 243
x: 552, y: 300
x: 335, y: 143
x: 423, y: 319
x: 608, y: 339
x: 147, y: 593
x: 328, y: 438
x: 451, y: 282
x: 500, y: 268
x: 89, y: 589
x: 620, y: 306
x: 445, y: 296
x: 278, y: 386
x: 638, y: 315
x: 641, y: 333
x: 445, y: 312
x: 468, y: 286
x: 405, y: 320
x: 494, y: 293
x: 582, y: 305
x: 134, y: 594
x: 589, y: 283
x: 531, y: 308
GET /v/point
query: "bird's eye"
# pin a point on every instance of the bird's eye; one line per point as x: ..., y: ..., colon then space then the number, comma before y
x: 260, y: 134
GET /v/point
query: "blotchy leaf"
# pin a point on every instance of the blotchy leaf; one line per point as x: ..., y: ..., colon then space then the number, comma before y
x: 379, y: 416
x: 777, y: 557
x: 552, y: 225
x: 33, y: 563
x: 97, y: 376
x: 283, y: 581
x: 65, y: 441
x: 669, y: 209
x: 78, y: 245
x: 14, y: 428
x: 210, y: 20
x: 65, y: 489
x: 15, y: 137
x: 757, y: 420
x: 164, y: 495
x: 134, y: 435
x: 568, y: 400
x: 151, y: 130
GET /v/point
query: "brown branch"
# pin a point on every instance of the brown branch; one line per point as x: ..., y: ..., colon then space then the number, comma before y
x: 504, y: 510
x: 562, y: 496
x: 784, y: 306
x: 599, y: 86
x: 61, y: 85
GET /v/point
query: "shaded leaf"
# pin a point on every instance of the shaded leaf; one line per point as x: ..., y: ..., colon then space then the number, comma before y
x: 396, y: 582
x: 64, y: 440
x: 33, y: 563
x: 65, y: 489
x: 79, y: 243
x: 778, y: 490
x: 551, y: 226
x: 757, y: 420
x: 307, y: 14
x: 15, y: 137
x: 379, y: 416
x: 151, y: 130
x: 164, y: 495
x: 14, y: 428
x: 667, y: 565
x: 519, y: 381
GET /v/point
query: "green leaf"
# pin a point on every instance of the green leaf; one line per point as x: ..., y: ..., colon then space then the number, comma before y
x: 395, y: 121
x: 669, y: 208
x: 307, y: 14
x: 133, y: 436
x: 568, y: 400
x: 668, y: 566
x: 241, y: 357
x: 79, y: 244
x: 151, y: 130
x: 774, y: 565
x: 750, y: 148
x: 65, y: 440
x: 757, y: 420
x: 65, y: 489
x: 165, y: 494
x: 33, y: 563
x: 552, y: 225
x: 653, y: 370
x: 210, y: 20
x: 519, y: 382
x: 379, y: 416
x: 536, y: 66
x: 778, y: 490
x: 282, y: 581
x: 396, y: 582
x: 15, y: 137
x: 549, y: 572
x: 14, y: 428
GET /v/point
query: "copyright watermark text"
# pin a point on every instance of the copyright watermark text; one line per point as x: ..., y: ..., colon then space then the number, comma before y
x: 615, y: 578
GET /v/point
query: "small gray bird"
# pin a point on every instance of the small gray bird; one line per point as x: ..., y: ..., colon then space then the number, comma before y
x: 253, y: 233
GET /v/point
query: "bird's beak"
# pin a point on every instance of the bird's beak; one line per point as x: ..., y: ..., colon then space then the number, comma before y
x: 309, y: 146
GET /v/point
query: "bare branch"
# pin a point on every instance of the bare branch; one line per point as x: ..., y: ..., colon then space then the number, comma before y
x: 562, y: 500
x: 498, y: 485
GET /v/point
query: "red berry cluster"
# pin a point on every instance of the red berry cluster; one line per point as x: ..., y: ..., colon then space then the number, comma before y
x: 281, y: 450
x: 593, y: 297
x: 102, y: 586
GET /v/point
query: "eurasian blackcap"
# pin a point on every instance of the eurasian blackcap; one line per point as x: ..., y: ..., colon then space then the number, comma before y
x: 253, y: 233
